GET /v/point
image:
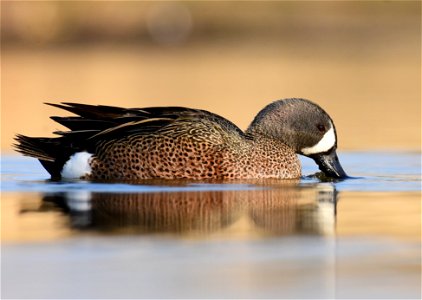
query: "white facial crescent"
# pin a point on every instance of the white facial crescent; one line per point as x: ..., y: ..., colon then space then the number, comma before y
x: 326, y: 143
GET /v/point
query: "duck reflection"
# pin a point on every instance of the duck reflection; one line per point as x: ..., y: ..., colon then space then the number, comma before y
x: 274, y: 209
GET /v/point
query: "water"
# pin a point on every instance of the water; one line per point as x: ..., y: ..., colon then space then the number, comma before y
x: 245, y: 239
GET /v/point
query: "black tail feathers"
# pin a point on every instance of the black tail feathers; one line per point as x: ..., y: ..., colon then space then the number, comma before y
x: 49, y: 151
x: 41, y: 148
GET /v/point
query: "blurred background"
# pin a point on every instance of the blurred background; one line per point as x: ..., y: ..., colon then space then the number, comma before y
x: 361, y: 61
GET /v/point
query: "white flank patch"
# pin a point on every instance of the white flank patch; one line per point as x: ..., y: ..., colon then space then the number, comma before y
x: 325, y: 144
x: 77, y: 166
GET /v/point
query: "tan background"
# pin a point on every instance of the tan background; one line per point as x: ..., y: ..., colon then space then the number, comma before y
x: 358, y: 60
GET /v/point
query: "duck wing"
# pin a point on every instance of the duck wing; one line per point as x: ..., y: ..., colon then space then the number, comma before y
x: 110, y: 122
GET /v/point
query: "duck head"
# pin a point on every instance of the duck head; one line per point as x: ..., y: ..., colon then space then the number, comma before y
x: 305, y: 127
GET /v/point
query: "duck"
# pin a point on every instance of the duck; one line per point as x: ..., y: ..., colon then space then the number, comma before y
x: 110, y: 143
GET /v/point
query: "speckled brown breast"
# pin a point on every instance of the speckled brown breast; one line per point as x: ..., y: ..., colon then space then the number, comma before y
x: 195, y: 150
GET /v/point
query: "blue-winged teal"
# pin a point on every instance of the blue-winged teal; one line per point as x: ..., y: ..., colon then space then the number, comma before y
x: 113, y: 143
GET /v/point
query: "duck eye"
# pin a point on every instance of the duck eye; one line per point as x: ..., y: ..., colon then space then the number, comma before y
x: 321, y: 127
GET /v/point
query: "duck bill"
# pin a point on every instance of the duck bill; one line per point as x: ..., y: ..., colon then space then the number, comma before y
x: 329, y: 163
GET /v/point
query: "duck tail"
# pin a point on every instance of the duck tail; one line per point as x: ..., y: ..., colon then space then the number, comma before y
x: 47, y: 150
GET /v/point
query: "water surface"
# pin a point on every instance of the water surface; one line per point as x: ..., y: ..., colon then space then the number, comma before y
x: 240, y: 239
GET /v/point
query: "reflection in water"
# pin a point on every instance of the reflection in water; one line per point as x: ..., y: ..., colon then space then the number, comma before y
x: 270, y: 209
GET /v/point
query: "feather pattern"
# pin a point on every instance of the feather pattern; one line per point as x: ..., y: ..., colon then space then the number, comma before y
x: 102, y: 120
x: 96, y: 127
